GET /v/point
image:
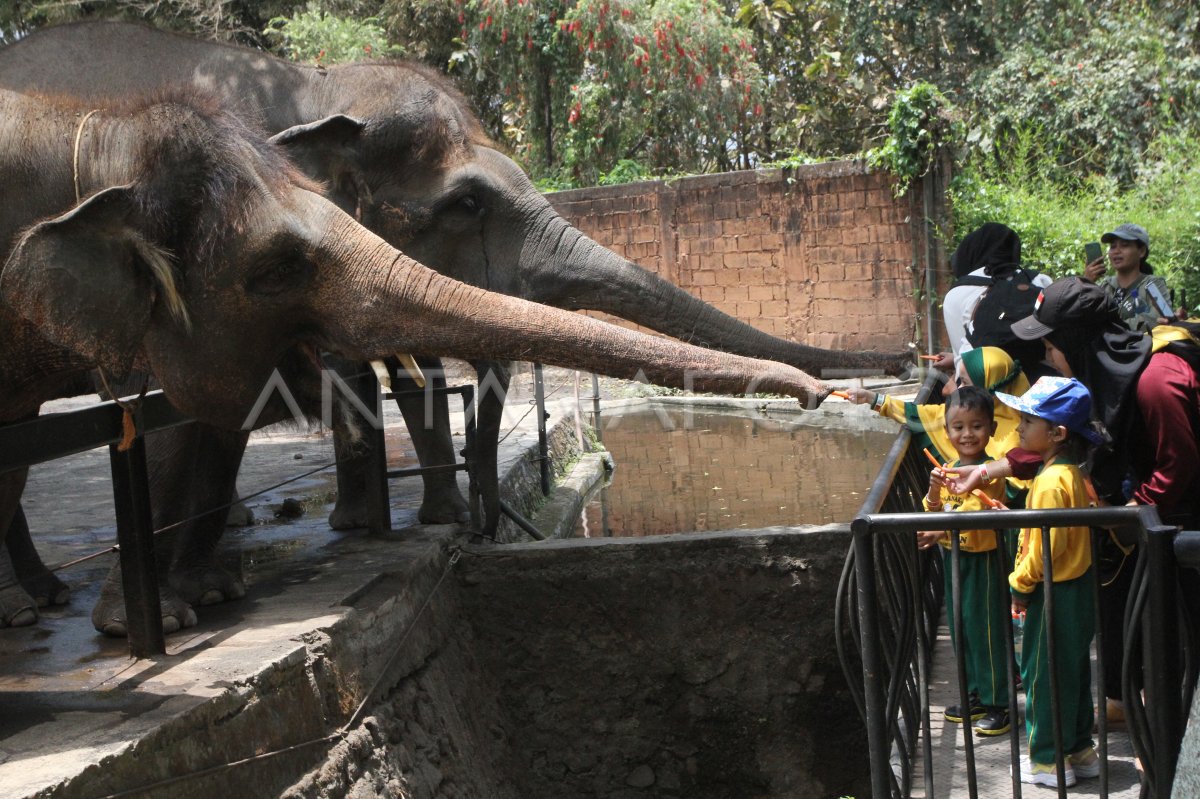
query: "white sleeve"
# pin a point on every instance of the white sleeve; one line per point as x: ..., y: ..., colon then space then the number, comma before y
x: 957, y: 308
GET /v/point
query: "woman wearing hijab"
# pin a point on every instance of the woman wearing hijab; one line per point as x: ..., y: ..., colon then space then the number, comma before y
x: 989, y: 250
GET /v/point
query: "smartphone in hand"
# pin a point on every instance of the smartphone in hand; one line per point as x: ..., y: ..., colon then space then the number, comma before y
x: 1093, y: 259
x: 1092, y: 251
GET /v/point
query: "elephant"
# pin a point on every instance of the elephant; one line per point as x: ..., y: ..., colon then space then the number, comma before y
x: 397, y: 147
x: 167, y: 235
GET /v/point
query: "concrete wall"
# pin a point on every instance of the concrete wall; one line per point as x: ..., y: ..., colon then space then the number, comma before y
x: 819, y: 254
x: 700, y: 666
x: 697, y: 667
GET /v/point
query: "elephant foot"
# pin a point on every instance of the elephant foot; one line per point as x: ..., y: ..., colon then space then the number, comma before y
x: 109, y: 617
x: 239, y: 516
x: 444, y: 507
x: 47, y: 590
x: 206, y: 584
x: 17, y: 608
x: 349, y: 513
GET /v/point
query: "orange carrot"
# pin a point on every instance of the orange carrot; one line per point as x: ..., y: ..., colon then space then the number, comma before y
x: 841, y: 394
x: 937, y: 465
x: 930, y: 357
x: 994, y: 504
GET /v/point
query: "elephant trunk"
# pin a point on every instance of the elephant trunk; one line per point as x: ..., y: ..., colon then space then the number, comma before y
x: 414, y: 309
x: 594, y: 278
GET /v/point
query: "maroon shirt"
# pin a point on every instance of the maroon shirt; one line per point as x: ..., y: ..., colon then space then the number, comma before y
x: 1164, y: 443
x: 1165, y: 451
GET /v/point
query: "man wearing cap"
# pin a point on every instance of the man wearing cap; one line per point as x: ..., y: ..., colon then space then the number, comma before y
x: 1143, y: 300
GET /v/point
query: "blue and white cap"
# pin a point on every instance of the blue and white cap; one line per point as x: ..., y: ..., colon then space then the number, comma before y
x: 1058, y: 400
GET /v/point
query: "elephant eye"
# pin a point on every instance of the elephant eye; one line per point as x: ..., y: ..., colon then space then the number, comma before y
x: 279, y: 276
x: 469, y: 204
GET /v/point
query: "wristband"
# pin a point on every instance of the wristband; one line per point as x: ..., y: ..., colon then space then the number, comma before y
x: 877, y: 403
x: 983, y: 474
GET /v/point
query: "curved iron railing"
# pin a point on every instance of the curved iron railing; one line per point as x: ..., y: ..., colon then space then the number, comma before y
x: 888, y: 612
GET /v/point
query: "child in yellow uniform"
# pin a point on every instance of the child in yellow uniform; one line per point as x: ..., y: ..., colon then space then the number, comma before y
x: 1055, y: 422
x: 970, y: 424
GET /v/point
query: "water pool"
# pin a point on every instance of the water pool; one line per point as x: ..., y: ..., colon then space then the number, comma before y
x: 723, y: 471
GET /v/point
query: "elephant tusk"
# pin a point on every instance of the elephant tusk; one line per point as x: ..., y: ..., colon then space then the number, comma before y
x: 381, y: 374
x: 414, y: 371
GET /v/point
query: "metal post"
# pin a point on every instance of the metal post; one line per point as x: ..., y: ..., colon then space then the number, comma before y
x: 1102, y: 644
x: 379, y: 510
x: 1052, y: 658
x: 960, y: 660
x: 135, y: 535
x: 470, y: 454
x: 1162, y: 670
x: 539, y: 394
x: 596, y: 407
x: 872, y: 664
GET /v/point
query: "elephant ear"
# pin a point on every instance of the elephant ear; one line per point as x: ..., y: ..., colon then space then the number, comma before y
x: 327, y: 150
x: 82, y: 280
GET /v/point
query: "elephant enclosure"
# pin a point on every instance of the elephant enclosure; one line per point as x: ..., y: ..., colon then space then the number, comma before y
x: 698, y: 666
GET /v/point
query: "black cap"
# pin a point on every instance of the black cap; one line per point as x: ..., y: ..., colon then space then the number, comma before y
x: 1070, y: 301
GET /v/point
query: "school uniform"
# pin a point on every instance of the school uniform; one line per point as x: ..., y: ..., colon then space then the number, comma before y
x: 985, y: 609
x: 1058, y: 485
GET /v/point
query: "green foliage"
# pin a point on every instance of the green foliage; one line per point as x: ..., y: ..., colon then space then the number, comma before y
x: 313, y: 35
x: 625, y: 171
x: 1021, y: 183
x: 1106, y: 95
x: 920, y: 124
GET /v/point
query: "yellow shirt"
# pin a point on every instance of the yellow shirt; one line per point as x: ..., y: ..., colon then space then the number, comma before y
x: 1059, y: 485
x: 970, y: 540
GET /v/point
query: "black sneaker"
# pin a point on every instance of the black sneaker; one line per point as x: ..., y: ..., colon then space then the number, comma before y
x: 954, y: 712
x: 994, y: 722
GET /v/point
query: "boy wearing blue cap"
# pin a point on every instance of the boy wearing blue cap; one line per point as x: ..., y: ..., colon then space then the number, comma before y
x: 1056, y: 423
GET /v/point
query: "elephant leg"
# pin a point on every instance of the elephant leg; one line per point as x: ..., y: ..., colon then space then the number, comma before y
x: 493, y: 387
x: 193, y: 468
x: 429, y: 429
x: 198, y: 471
x: 41, y: 583
x: 17, y: 607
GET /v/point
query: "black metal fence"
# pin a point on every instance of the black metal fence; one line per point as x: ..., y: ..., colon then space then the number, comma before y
x: 888, y: 613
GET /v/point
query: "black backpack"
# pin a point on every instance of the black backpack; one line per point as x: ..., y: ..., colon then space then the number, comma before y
x: 1010, y: 297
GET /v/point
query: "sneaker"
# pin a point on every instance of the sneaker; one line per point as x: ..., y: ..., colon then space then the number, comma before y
x: 954, y: 712
x: 1114, y: 710
x: 1085, y: 763
x: 1044, y: 774
x: 995, y: 722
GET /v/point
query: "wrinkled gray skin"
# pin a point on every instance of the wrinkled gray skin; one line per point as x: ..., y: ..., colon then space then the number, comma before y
x: 397, y: 146
x: 198, y: 253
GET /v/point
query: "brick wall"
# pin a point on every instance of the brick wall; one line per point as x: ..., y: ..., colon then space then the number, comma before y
x: 819, y: 254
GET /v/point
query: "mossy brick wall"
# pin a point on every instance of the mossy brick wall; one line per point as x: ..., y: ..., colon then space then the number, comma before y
x: 820, y: 254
